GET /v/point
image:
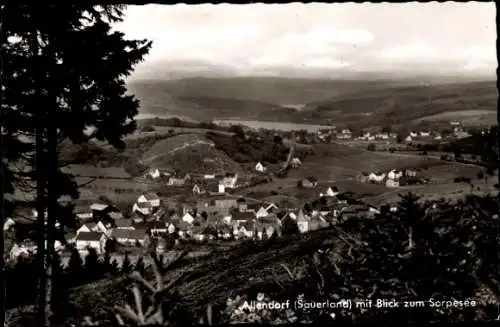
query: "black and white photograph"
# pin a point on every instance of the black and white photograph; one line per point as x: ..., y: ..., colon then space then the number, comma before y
x: 213, y: 164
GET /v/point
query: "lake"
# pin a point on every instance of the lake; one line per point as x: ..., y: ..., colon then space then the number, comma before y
x: 255, y: 124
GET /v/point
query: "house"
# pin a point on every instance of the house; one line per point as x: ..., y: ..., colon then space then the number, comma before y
x: 170, y: 228
x: 224, y: 232
x: 262, y: 212
x: 144, y: 208
x: 188, y: 218
x: 101, y: 210
x: 94, y: 240
x: 408, y: 139
x: 331, y: 191
x: 242, y: 217
x: 413, y: 134
x: 157, y: 227
x: 410, y: 173
x: 129, y: 236
x: 246, y: 229
x: 9, y: 223
x: 260, y: 168
x: 265, y: 230
x: 378, y: 178
x: 438, y: 137
x: 89, y: 227
x: 226, y: 203
x: 295, y: 162
x: 253, y: 207
x: 309, y: 182
x: 182, y: 228
x: 394, y: 174
x: 174, y: 181
x: 209, y: 176
x: 271, y: 208
x: 217, y: 188
x: 151, y: 198
x: 115, y: 215
x: 242, y: 205
x: 83, y: 212
x: 123, y: 224
x: 391, y: 182
x: 302, y: 221
x: 425, y: 134
x: 363, y: 177
x: 154, y: 173
x: 207, y: 232
x: 197, y: 189
x: 230, y: 181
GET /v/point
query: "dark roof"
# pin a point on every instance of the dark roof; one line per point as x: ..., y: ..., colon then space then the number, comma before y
x: 115, y: 215
x: 312, y: 179
x: 123, y: 223
x: 151, y: 196
x: 144, y: 205
x: 131, y: 234
x: 89, y: 236
x: 243, y: 216
x: 254, y: 206
x: 156, y: 225
x: 249, y: 225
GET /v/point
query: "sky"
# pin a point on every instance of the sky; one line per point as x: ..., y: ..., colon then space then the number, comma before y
x: 314, y: 39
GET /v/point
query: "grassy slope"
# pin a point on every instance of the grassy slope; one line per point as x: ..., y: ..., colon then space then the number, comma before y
x: 189, y: 153
x: 220, y: 275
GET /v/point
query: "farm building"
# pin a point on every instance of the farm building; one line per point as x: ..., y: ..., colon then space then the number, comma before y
x: 197, y: 189
x: 230, y: 181
x: 93, y: 240
x: 144, y: 208
x: 151, y: 198
x: 130, y: 236
x: 309, y: 182
x: 259, y: 167
x: 124, y: 224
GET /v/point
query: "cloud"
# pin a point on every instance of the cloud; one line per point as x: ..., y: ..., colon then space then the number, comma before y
x: 358, y: 37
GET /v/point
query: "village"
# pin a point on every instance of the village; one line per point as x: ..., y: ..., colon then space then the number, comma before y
x: 216, y: 213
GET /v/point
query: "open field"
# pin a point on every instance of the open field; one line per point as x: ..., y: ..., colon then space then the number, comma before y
x: 93, y: 171
x: 165, y: 130
x: 435, y: 191
x: 342, y: 101
x: 469, y: 118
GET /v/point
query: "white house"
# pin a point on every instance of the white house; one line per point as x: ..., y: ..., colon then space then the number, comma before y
x: 394, y: 174
x: 150, y: 197
x: 260, y: 167
x: 209, y: 176
x: 155, y: 173
x: 197, y: 189
x: 408, y: 138
x: 331, y: 192
x: 188, y: 218
x: 391, y: 183
x: 93, y: 240
x: 271, y: 207
x: 9, y: 223
x: 376, y: 178
x: 438, y: 137
x: 144, y: 208
x: 230, y: 181
x: 425, y: 134
x: 262, y: 212
x: 99, y: 206
x: 413, y: 134
x: 295, y: 162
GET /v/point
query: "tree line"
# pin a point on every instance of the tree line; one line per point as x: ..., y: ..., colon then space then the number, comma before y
x: 62, y: 80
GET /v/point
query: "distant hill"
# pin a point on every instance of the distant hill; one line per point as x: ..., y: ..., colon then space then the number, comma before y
x: 310, y: 100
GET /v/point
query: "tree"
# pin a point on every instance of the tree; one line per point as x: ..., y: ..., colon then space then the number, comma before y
x: 139, y: 265
x: 126, y: 266
x: 386, y: 129
x: 290, y: 227
x: 91, y: 265
x: 75, y: 266
x: 480, y: 175
x: 371, y: 147
x: 74, y: 65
